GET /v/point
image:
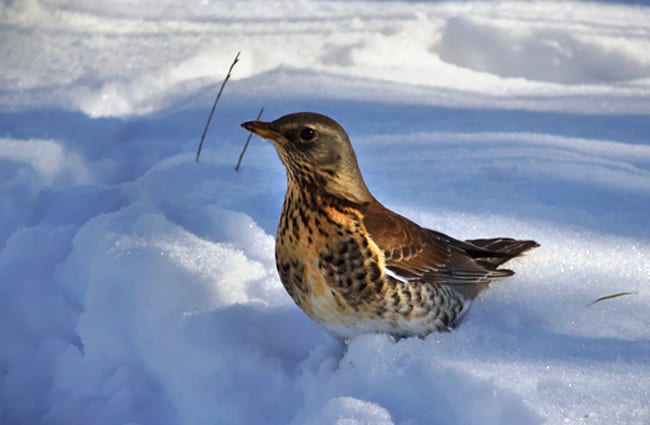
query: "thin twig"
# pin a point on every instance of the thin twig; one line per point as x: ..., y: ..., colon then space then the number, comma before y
x: 609, y: 297
x: 248, y: 140
x: 214, y: 105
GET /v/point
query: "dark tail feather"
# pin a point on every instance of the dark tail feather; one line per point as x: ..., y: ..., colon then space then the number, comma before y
x: 503, y: 249
x: 491, y: 253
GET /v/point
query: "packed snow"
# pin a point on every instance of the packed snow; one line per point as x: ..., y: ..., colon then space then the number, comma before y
x: 138, y: 286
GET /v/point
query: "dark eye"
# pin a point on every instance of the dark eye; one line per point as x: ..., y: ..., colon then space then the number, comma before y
x: 308, y: 134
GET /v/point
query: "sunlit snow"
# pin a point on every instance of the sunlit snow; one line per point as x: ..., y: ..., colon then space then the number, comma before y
x: 138, y: 286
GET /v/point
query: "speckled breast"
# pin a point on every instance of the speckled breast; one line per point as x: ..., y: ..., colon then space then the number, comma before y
x: 334, y: 273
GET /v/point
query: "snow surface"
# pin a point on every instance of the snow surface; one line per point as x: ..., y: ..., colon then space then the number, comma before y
x: 137, y: 286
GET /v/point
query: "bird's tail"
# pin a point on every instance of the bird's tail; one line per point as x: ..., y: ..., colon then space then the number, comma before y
x: 503, y: 249
x: 491, y: 253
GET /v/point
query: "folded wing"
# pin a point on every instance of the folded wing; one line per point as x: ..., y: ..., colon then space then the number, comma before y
x: 422, y: 255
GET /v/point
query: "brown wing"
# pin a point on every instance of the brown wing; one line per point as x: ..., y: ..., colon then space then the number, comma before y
x: 422, y: 254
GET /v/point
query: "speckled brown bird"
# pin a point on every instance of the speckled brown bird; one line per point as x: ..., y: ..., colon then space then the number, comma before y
x: 353, y: 265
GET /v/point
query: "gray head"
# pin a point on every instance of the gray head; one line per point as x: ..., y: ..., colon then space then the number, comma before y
x: 316, y: 149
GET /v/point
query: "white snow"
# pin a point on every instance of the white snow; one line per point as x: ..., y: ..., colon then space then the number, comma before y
x: 137, y: 286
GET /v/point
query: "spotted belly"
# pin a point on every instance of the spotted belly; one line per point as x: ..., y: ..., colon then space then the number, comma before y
x: 336, y: 275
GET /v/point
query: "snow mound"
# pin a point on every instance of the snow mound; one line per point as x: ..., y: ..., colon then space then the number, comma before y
x: 52, y: 164
x: 139, y: 286
x: 561, y: 55
x: 350, y: 411
x: 448, y: 51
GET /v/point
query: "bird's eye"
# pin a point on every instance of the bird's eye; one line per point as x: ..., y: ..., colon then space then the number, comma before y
x: 308, y: 134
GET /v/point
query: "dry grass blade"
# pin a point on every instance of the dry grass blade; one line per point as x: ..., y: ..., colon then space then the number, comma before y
x: 214, y: 105
x: 609, y: 297
x: 248, y: 140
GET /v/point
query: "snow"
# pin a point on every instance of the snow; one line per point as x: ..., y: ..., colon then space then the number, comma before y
x: 137, y: 286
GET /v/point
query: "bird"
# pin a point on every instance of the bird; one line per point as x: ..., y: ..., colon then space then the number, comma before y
x: 353, y: 265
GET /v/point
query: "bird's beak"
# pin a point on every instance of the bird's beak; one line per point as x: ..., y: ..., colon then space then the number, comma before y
x: 262, y: 129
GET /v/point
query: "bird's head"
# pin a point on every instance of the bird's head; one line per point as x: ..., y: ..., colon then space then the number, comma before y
x: 315, y: 150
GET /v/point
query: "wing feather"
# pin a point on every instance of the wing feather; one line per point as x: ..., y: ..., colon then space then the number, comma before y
x: 420, y: 254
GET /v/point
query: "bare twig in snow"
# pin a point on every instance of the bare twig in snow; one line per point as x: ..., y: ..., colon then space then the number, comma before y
x: 214, y: 105
x: 609, y: 297
x: 248, y: 140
